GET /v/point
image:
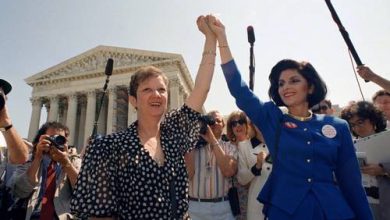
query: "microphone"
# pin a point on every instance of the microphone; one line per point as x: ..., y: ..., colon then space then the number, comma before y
x: 109, y: 67
x: 108, y: 72
x: 251, y: 40
x: 251, y: 35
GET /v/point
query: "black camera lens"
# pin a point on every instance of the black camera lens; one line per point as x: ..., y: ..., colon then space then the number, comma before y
x: 204, y: 121
x: 2, y: 100
x: 57, y: 141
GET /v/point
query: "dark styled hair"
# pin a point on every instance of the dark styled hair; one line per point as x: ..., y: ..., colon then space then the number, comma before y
x: 142, y: 75
x: 381, y: 92
x: 307, y: 71
x: 365, y: 110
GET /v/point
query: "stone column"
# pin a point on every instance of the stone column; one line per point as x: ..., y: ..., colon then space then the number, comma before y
x: 181, y: 95
x: 174, y: 92
x: 35, y: 117
x: 71, y: 117
x: 53, y: 112
x: 47, y: 107
x: 111, y: 113
x: 131, y: 113
x: 90, y: 114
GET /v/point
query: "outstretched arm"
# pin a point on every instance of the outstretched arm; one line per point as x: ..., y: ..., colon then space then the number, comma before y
x: 219, y: 30
x: 206, y: 68
x: 17, y: 149
x: 367, y: 74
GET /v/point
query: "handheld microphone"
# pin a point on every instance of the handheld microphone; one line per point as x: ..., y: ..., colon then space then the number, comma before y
x: 251, y: 35
x: 109, y: 67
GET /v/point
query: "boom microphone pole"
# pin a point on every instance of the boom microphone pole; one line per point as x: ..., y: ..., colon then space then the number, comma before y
x: 251, y: 40
x: 344, y: 33
x: 108, y: 72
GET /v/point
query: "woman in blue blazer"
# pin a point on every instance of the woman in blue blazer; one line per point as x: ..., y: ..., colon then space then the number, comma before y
x: 315, y: 173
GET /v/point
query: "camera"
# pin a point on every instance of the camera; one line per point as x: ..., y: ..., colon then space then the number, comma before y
x: 57, y: 141
x: 204, y: 121
x: 2, y: 99
x: 5, y: 88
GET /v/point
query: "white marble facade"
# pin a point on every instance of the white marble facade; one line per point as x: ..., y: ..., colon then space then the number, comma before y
x: 71, y: 91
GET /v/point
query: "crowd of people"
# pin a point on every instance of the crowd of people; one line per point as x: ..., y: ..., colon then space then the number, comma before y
x: 295, y: 164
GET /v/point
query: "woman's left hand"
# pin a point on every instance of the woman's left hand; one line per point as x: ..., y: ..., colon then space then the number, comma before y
x: 373, y: 170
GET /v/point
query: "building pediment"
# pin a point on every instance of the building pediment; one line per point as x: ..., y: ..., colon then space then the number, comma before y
x: 92, y: 63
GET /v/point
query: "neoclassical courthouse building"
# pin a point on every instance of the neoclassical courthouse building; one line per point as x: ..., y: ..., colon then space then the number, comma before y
x: 71, y: 91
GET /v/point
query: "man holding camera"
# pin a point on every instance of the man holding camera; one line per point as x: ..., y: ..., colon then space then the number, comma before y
x: 210, y: 168
x: 49, y: 177
x: 17, y: 150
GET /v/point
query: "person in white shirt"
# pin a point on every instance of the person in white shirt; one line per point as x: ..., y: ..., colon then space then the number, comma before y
x: 252, y: 168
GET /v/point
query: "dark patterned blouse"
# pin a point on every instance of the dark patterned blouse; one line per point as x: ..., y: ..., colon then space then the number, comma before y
x: 119, y: 178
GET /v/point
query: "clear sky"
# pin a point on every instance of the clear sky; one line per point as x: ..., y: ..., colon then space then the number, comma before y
x: 38, y: 34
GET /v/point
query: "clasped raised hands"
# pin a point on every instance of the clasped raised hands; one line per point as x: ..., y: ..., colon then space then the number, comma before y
x: 210, y: 25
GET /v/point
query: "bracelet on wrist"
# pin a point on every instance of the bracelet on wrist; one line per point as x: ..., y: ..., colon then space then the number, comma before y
x: 209, y: 52
x: 223, y: 46
x: 210, y: 64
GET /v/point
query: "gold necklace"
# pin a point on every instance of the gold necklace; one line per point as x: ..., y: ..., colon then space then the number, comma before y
x: 300, y: 118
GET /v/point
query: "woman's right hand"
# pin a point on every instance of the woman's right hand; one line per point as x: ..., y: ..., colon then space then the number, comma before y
x: 42, y: 147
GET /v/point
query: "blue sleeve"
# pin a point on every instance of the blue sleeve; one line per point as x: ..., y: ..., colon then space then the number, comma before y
x: 349, y: 177
x: 246, y: 100
x: 266, y: 116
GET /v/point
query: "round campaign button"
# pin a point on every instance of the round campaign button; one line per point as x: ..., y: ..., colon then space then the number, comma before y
x: 329, y: 131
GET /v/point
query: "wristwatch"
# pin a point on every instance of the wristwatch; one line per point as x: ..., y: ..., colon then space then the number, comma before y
x: 6, y: 128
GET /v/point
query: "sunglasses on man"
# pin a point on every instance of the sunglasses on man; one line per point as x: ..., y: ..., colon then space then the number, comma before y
x: 319, y: 108
x: 236, y: 122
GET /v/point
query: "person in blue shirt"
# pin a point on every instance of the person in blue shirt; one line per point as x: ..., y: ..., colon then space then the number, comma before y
x: 315, y: 170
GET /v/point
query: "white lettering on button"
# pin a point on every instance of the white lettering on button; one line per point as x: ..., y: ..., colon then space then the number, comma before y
x: 308, y: 160
x: 308, y: 142
x: 309, y: 180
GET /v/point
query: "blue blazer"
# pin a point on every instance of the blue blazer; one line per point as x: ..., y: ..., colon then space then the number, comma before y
x: 315, y: 156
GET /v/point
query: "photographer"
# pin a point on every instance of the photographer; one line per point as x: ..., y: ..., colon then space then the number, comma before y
x: 210, y: 167
x: 17, y: 150
x: 47, y: 180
